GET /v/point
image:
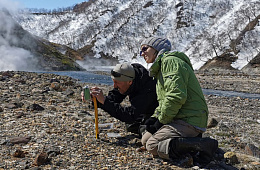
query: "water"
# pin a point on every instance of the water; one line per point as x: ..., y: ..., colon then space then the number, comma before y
x: 230, y: 93
x: 84, y: 76
x: 89, y: 77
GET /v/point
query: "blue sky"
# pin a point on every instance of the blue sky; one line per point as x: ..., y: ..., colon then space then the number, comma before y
x: 47, y: 4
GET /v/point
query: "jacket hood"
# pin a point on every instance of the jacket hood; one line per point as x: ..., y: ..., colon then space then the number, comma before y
x: 154, y: 69
x: 141, y: 78
x: 181, y: 56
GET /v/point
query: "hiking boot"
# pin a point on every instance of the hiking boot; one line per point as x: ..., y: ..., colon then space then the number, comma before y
x: 204, y: 148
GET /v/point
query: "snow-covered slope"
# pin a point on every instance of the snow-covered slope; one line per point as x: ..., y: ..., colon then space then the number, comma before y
x: 202, y: 29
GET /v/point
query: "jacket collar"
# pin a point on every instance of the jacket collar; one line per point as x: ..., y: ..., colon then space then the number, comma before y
x: 155, y: 68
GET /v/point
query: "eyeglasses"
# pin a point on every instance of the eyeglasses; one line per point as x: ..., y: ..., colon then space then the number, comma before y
x: 144, y: 49
x: 116, y: 74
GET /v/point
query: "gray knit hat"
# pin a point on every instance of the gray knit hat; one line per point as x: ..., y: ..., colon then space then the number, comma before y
x: 123, y: 72
x: 159, y: 44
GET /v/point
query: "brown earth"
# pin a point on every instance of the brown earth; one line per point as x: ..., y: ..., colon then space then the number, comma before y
x: 44, y: 114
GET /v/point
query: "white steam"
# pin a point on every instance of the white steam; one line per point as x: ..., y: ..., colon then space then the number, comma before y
x: 96, y: 65
x: 10, y: 5
x: 12, y: 57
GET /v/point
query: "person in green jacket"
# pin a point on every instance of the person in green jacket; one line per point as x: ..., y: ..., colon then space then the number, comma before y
x: 178, y: 122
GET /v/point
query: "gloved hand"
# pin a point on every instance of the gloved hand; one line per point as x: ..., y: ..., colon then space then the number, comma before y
x: 153, y: 128
x: 150, y: 121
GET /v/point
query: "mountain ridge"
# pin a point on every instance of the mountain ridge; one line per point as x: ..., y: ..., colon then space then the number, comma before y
x: 201, y: 29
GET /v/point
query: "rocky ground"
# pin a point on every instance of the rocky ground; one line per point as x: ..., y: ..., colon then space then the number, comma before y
x: 44, y: 125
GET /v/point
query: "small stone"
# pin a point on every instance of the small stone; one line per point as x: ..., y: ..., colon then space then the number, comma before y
x: 255, y: 163
x: 3, y: 141
x: 59, y: 162
x: 53, y: 109
x: 55, y: 85
x: 19, y: 153
x: 19, y: 114
x: 55, y: 150
x: 223, y: 127
x: 196, y: 167
x: 252, y: 150
x: 212, y: 123
x: 88, y: 118
x: 18, y: 140
x: 54, y: 80
x: 41, y: 159
x: 68, y: 92
x: 11, y: 106
x: 165, y: 163
x: 16, y: 76
x: 231, y: 158
x: 20, y: 81
x: 69, y: 83
x: 35, y: 107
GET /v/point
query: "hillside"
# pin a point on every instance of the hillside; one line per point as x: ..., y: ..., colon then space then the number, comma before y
x: 205, y: 30
x: 21, y: 50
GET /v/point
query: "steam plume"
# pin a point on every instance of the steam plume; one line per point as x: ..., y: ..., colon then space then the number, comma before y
x: 12, y: 57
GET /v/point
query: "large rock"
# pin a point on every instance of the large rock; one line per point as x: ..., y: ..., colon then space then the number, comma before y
x: 222, y: 62
x: 253, y: 67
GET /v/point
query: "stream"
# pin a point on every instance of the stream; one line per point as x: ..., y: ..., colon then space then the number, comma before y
x: 89, y: 77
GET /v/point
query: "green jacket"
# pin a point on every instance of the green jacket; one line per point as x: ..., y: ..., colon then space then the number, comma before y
x: 178, y: 91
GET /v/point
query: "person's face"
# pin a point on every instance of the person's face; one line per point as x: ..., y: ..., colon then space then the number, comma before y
x: 122, y: 86
x: 148, y: 53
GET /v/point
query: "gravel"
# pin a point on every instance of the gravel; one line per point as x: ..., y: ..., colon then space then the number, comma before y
x: 45, y: 125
